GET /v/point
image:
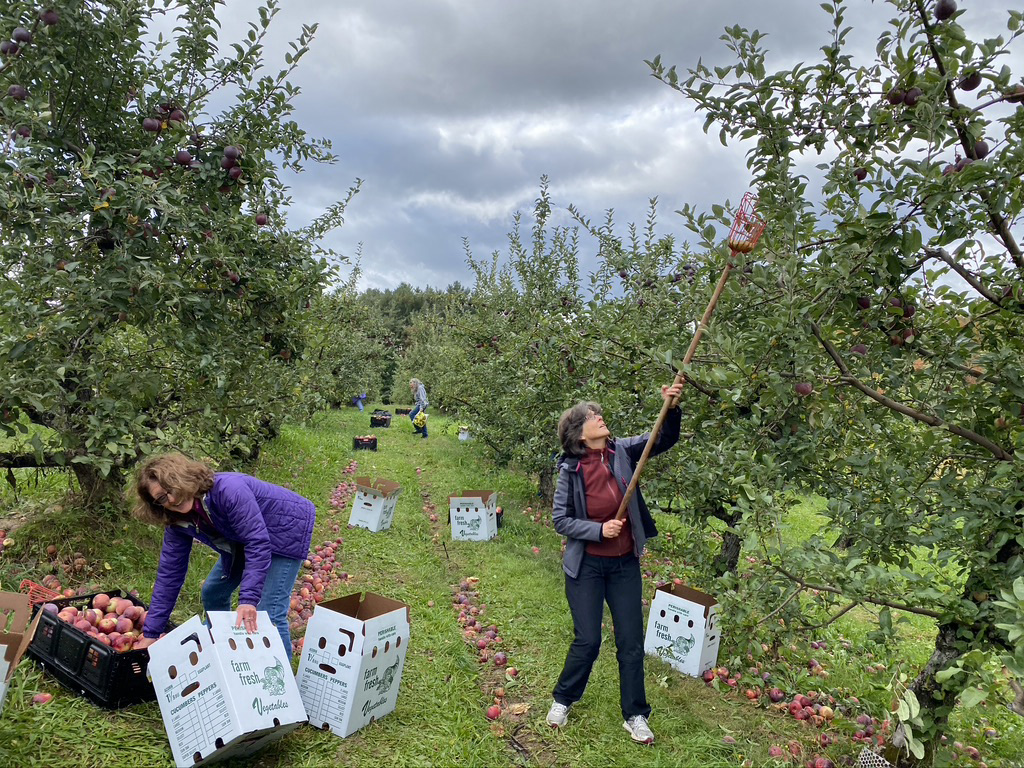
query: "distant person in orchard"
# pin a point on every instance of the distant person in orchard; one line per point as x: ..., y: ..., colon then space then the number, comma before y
x: 602, y: 555
x: 419, y: 394
x: 261, y: 531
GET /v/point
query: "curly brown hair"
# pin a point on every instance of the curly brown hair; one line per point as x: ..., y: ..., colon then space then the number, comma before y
x: 175, y: 473
x: 570, y: 427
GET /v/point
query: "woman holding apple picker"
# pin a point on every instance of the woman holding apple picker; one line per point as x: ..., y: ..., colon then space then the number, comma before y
x: 261, y: 531
x: 602, y: 554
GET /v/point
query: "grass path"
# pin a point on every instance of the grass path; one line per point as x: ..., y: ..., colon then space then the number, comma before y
x: 445, y: 690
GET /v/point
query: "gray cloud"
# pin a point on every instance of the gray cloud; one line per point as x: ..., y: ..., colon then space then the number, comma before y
x: 451, y: 110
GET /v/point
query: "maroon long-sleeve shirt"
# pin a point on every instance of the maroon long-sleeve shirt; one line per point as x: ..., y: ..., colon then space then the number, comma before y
x: 603, y: 499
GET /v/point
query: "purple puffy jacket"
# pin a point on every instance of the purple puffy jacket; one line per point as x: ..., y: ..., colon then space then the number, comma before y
x: 255, y: 518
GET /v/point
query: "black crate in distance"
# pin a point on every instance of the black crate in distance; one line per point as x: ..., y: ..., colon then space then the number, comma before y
x: 364, y: 443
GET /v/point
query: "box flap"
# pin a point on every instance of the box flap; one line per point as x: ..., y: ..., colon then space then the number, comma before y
x: 348, y: 605
x: 15, y: 612
x: 377, y: 605
x: 387, y: 487
x: 484, y: 496
x: 688, y: 593
x: 364, y: 606
x: 15, y: 631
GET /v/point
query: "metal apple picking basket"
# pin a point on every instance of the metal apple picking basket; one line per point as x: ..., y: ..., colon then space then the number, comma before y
x: 746, y: 230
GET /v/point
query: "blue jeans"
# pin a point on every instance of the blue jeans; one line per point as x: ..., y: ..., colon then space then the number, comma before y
x: 412, y: 415
x: 616, y: 580
x: 277, y: 592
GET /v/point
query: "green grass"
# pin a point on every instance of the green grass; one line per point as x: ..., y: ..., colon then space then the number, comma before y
x: 439, y: 719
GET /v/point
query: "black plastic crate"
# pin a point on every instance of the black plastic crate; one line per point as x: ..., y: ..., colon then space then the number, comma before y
x: 380, y: 421
x: 364, y: 443
x: 83, y: 665
x: 403, y: 411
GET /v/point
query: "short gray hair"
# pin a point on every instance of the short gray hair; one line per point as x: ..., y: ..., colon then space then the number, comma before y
x: 570, y: 427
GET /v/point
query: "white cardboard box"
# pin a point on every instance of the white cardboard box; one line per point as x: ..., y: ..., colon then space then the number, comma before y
x: 223, y: 692
x: 473, y: 515
x: 374, y: 504
x: 682, y: 629
x: 352, y: 661
x: 15, y: 636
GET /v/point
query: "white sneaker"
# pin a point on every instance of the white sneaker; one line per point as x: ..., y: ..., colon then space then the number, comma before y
x: 639, y: 730
x: 557, y: 715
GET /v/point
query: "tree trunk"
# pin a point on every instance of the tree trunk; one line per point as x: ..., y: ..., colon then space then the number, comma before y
x: 546, y: 486
x: 729, y: 555
x: 97, y: 489
x: 936, y: 702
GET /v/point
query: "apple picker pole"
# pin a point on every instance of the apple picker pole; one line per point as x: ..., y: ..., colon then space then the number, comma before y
x: 746, y: 231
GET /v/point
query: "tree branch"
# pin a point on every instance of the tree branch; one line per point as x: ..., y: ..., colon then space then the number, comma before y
x: 943, y: 255
x: 873, y: 600
x: 17, y: 460
x: 893, y: 405
x: 785, y: 602
x: 833, y: 619
x: 997, y: 220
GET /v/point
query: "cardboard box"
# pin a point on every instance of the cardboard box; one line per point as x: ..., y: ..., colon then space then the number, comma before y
x: 15, y: 635
x: 352, y: 661
x: 374, y: 505
x: 473, y: 515
x: 682, y: 629
x: 223, y: 692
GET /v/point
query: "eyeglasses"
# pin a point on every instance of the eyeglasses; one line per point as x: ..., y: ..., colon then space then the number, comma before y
x: 593, y: 415
x: 161, y: 500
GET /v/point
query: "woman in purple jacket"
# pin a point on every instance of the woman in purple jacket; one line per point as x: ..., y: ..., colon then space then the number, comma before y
x: 261, y: 531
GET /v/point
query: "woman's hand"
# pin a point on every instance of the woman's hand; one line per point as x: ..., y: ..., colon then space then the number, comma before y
x: 670, y: 393
x: 246, y: 617
x: 143, y: 642
x: 611, y: 528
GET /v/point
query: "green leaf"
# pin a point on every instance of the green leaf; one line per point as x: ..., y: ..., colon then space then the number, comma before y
x: 1018, y: 588
x: 915, y: 705
x: 903, y: 710
x: 972, y: 697
x: 916, y: 747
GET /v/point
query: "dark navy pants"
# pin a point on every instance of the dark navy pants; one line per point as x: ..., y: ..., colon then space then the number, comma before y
x: 617, y: 581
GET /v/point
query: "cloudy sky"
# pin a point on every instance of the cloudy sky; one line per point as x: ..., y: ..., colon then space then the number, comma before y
x: 452, y: 110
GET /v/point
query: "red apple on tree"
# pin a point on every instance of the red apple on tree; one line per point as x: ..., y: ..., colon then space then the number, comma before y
x: 970, y: 81
x: 944, y: 9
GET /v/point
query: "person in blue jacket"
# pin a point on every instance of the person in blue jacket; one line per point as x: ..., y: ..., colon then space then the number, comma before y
x: 419, y: 393
x: 602, y: 554
x: 261, y: 531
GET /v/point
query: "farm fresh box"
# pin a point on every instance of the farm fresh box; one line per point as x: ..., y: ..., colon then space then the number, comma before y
x: 682, y: 629
x: 15, y: 636
x: 352, y: 661
x: 223, y: 692
x: 374, y: 504
x: 473, y: 515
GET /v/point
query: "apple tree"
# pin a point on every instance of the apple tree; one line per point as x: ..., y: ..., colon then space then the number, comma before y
x: 153, y: 295
x: 893, y: 193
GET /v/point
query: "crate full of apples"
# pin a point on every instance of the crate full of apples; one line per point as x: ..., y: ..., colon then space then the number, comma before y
x: 87, y: 643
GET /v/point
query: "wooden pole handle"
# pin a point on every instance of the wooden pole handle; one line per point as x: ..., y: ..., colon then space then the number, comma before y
x: 680, y: 378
